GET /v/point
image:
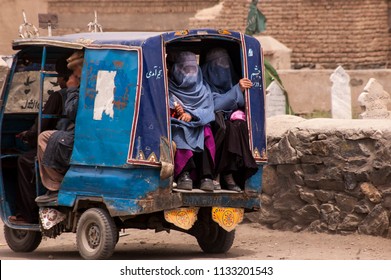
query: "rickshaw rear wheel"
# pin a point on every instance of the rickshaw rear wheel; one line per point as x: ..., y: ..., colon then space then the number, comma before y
x: 217, y: 242
x: 96, y: 234
x: 22, y: 240
x: 210, y: 236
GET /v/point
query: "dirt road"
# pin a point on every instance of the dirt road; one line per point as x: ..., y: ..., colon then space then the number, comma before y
x: 252, y: 242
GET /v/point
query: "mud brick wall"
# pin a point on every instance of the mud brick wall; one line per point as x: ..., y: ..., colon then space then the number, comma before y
x: 351, y: 33
x: 121, y: 15
x: 322, y: 33
x: 129, y: 6
x: 232, y: 16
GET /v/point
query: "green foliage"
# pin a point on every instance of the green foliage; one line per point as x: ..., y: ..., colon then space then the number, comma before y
x: 316, y: 114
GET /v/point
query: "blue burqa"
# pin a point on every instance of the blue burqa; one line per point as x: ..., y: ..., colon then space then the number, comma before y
x: 219, y: 76
x: 186, y: 87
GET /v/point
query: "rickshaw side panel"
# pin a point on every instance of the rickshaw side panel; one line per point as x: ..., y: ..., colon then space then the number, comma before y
x: 152, y: 124
x: 124, y: 191
x: 255, y: 97
x: 106, y: 107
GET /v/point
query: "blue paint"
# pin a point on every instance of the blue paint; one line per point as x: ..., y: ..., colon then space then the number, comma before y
x: 105, y: 142
x: 153, y: 111
x: 130, y: 183
x: 256, y: 95
x: 254, y: 183
x: 116, y: 156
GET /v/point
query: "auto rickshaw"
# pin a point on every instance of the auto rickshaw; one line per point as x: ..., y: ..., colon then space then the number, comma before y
x: 121, y: 169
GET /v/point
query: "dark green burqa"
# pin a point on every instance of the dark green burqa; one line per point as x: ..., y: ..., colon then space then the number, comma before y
x: 256, y: 21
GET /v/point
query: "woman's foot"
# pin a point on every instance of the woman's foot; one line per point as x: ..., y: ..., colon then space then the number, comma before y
x: 184, y: 181
x: 234, y: 188
x: 49, y: 196
x: 231, y: 184
x: 17, y: 219
x: 216, y: 185
x: 207, y: 185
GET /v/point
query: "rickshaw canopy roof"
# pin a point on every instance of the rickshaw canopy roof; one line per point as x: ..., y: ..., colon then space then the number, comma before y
x: 126, y: 39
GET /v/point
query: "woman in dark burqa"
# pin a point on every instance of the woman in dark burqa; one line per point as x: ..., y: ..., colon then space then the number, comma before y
x: 192, y: 111
x: 234, y: 160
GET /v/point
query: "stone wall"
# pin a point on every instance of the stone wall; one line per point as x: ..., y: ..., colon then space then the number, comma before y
x: 327, y: 175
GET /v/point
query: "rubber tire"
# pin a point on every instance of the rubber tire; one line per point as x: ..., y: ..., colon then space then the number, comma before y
x: 96, y: 234
x: 116, y: 236
x: 22, y: 241
x: 217, y: 241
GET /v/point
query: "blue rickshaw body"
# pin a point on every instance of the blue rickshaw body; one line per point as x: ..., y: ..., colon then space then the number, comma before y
x: 122, y: 140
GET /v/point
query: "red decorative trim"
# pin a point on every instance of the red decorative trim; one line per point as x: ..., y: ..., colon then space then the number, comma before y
x: 136, y: 105
x: 246, y: 92
x: 168, y: 117
x: 263, y: 159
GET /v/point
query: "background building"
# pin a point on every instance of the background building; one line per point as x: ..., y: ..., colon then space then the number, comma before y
x: 321, y: 34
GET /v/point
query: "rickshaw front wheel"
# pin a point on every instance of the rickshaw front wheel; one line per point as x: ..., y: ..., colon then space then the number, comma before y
x: 96, y: 234
x: 22, y: 240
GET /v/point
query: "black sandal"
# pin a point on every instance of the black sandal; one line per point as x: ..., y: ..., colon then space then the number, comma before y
x: 17, y: 219
x: 230, y: 183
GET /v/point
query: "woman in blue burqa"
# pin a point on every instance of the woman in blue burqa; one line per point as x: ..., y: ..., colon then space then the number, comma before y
x: 192, y: 110
x: 234, y: 161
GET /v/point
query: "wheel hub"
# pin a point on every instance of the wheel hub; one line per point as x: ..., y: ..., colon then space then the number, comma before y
x: 20, y: 234
x: 93, y: 236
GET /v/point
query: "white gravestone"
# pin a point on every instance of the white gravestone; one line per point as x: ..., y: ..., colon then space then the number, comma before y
x: 374, y: 100
x: 341, y: 96
x: 275, y: 100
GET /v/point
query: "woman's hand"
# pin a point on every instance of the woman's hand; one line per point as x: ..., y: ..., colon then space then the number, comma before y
x: 179, y: 109
x: 21, y: 135
x: 186, y: 117
x: 245, y: 84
